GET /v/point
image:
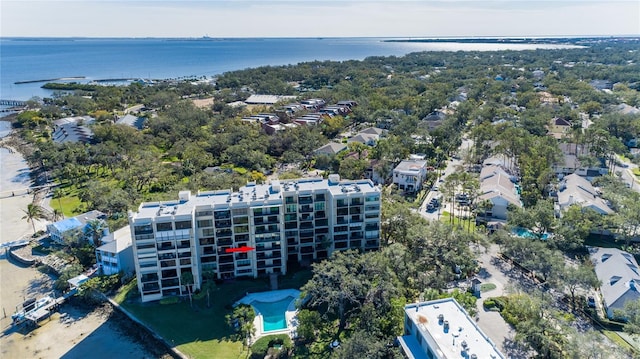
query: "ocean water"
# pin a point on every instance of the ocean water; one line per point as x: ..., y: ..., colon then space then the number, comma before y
x: 24, y: 59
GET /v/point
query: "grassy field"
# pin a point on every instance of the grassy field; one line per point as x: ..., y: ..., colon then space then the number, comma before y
x: 202, y: 331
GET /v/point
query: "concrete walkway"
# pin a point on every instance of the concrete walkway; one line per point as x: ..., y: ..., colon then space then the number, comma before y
x: 494, y: 270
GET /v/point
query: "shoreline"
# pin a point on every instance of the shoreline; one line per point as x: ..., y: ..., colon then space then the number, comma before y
x: 73, y: 332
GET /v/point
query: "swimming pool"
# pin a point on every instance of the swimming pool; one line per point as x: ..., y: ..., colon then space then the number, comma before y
x: 523, y: 232
x: 273, y: 313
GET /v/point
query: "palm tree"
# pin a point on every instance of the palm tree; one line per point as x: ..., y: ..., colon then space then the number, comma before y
x: 186, y: 278
x: 58, y: 193
x: 57, y: 215
x: 95, y: 230
x: 33, y: 213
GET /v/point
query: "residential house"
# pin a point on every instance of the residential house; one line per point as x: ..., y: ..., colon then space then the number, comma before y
x: 331, y: 148
x: 499, y: 188
x: 601, y: 85
x: 570, y: 162
x: 116, y: 254
x: 625, y: 109
x: 365, y: 138
x: 369, y: 136
x: 442, y: 329
x: 577, y: 190
x: 58, y: 230
x: 409, y: 175
x: 559, y: 128
x: 619, y: 277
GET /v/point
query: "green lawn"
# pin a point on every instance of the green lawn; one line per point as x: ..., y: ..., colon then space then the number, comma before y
x: 202, y: 332
x: 485, y: 287
x: 457, y: 222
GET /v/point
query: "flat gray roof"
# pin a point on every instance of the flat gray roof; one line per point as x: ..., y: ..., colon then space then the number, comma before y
x: 252, y: 195
x: 462, y: 330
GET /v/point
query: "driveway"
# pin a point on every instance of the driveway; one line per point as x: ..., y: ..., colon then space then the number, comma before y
x: 494, y: 270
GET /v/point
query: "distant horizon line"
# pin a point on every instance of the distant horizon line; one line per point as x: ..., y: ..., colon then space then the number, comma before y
x: 205, y: 37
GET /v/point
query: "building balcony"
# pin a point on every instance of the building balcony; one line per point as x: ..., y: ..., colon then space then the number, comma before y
x: 166, y: 246
x: 167, y: 264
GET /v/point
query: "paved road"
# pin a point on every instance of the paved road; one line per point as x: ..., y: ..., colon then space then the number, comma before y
x: 452, y: 165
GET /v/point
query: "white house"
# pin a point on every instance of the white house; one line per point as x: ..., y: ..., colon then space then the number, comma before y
x: 58, y: 230
x: 497, y: 187
x: 116, y: 254
x: 578, y: 190
x: 619, y: 277
x: 410, y: 174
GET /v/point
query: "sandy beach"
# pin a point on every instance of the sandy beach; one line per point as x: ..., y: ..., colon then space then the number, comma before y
x: 74, y: 332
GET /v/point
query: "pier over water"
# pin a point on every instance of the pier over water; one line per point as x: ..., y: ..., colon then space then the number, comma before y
x: 13, y: 103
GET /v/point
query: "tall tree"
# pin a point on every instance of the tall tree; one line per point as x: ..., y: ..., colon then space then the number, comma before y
x: 241, y: 320
x: 33, y: 213
x: 95, y: 231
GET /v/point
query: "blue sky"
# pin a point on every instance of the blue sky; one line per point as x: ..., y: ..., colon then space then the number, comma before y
x: 317, y: 18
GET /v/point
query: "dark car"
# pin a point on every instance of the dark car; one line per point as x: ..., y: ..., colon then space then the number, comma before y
x: 591, y: 302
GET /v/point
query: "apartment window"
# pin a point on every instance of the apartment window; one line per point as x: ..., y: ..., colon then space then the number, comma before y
x: 208, y: 232
x: 205, y: 223
x: 372, y: 199
x: 239, y: 211
x: 183, y: 225
x: 291, y: 208
x: 143, y: 229
x: 318, y: 206
x: 320, y: 197
x: 161, y: 227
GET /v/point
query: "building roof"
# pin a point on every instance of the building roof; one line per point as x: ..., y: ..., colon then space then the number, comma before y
x: 331, y: 148
x: 618, y: 273
x: 462, y: 335
x: 411, y: 166
x: 253, y: 195
x: 116, y: 241
x: 67, y: 224
x: 495, y: 182
x: 364, y: 138
x: 373, y: 131
x: 559, y: 121
x: 578, y: 190
x: 625, y: 109
x: 131, y: 120
x: 267, y: 99
x: 72, y: 129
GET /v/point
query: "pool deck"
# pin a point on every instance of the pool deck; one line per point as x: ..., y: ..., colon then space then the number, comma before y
x: 270, y: 297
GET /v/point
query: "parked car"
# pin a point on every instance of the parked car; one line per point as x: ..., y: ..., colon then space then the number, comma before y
x: 591, y: 302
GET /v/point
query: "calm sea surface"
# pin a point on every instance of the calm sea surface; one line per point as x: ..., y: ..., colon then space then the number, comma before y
x: 98, y: 59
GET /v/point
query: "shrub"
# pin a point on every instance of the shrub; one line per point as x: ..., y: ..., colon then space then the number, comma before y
x: 169, y: 300
x: 260, y: 348
x: 489, y: 304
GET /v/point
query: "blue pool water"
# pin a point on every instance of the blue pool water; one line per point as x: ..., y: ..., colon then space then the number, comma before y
x: 273, y: 317
x: 523, y: 232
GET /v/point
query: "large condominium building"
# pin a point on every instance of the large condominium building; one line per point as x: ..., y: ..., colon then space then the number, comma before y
x: 250, y: 233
